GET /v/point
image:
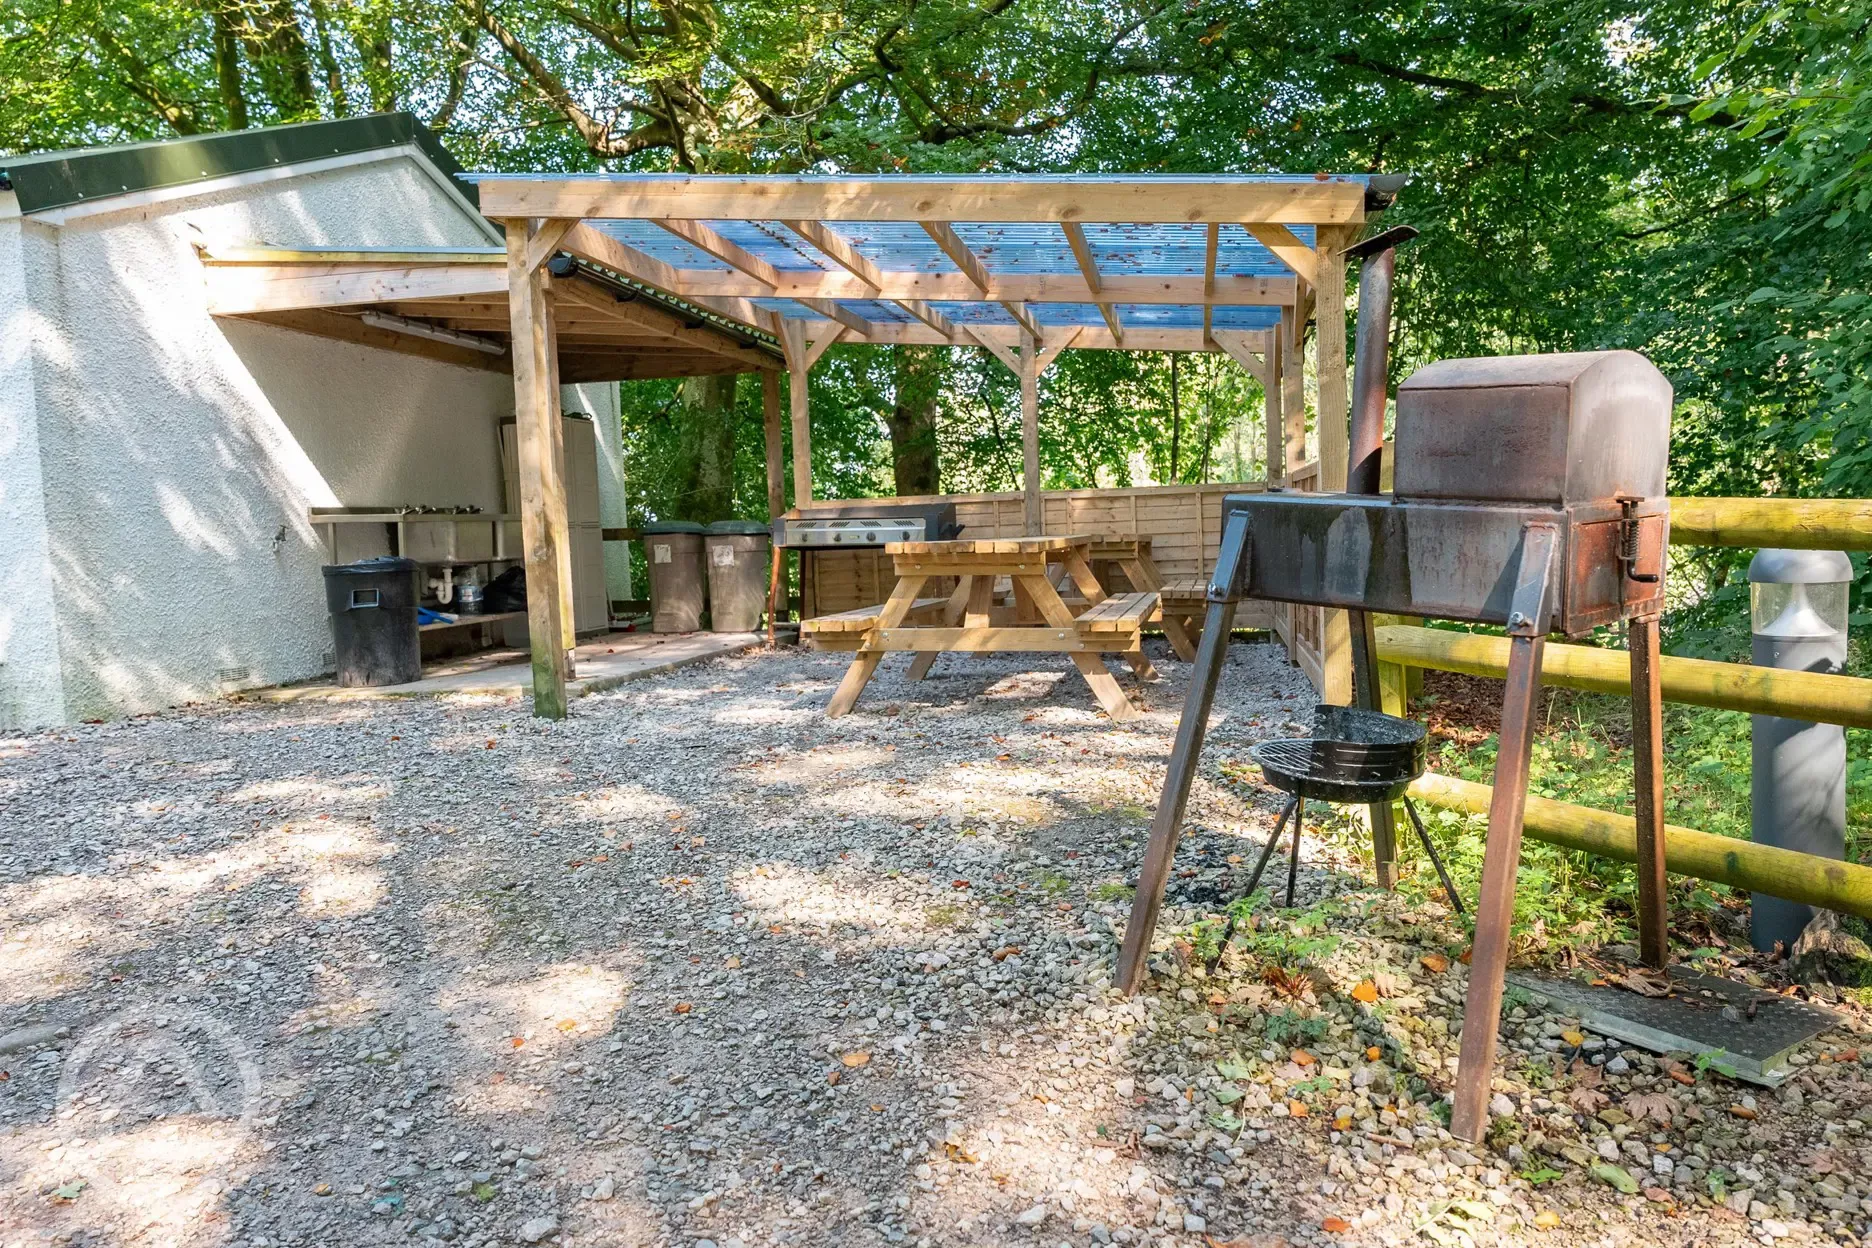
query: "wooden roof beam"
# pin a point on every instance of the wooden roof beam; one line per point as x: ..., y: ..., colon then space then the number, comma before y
x: 947, y: 286
x: 1312, y: 201
x: 601, y: 249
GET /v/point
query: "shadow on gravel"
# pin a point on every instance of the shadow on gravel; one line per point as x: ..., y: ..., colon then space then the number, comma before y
x: 693, y: 964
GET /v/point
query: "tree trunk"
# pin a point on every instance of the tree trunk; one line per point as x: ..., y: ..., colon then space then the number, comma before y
x: 703, y: 467
x: 918, y: 374
x: 228, y: 67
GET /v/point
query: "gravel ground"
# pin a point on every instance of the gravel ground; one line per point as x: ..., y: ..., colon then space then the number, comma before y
x: 699, y: 967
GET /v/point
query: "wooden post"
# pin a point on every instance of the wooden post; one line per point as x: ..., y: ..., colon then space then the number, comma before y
x: 1271, y: 394
x: 1033, y: 518
x: 776, y: 451
x: 1293, y: 389
x: 776, y: 489
x: 1330, y: 357
x: 793, y: 343
x: 542, y: 487
x: 1334, y: 445
x: 560, y: 516
x: 1648, y: 792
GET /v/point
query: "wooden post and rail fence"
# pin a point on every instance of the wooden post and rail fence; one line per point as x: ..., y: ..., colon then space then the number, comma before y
x: 1817, y: 524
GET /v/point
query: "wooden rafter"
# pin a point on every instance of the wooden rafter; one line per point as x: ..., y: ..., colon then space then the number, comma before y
x: 732, y: 254
x: 601, y: 249
x: 930, y: 317
x: 839, y: 251
x: 859, y: 266
x: 1024, y: 317
x: 1212, y: 244
x: 1329, y: 200
x: 844, y: 316
x: 958, y: 251
x: 1088, y: 269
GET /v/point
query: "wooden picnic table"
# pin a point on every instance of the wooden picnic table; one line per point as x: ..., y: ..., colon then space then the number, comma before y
x: 1181, y: 602
x: 969, y: 619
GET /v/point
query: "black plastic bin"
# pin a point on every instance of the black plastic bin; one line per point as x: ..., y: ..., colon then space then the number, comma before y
x: 373, y: 618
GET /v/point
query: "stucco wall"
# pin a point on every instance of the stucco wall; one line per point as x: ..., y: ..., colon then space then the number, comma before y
x: 180, y: 453
x: 31, y: 687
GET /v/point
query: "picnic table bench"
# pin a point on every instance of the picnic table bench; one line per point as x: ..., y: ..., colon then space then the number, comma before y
x: 970, y: 620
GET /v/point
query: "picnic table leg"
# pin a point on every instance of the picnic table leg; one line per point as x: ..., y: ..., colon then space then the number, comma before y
x: 1082, y: 577
x: 1140, y: 665
x: 1177, y: 633
x: 1105, y: 686
x: 865, y: 662
x: 1179, y: 630
x: 952, y: 615
x: 981, y: 606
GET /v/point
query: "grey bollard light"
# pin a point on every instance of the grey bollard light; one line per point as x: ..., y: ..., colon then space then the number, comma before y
x: 1797, y: 607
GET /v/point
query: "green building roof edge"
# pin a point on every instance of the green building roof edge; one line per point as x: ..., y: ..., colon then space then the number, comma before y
x: 50, y: 180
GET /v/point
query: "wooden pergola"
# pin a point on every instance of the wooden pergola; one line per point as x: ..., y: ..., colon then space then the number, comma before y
x: 1025, y: 267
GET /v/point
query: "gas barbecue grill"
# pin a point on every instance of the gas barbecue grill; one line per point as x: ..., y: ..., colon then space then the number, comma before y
x: 1529, y: 493
x: 857, y: 526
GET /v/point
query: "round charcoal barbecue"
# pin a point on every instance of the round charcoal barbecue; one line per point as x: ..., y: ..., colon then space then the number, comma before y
x: 1355, y: 758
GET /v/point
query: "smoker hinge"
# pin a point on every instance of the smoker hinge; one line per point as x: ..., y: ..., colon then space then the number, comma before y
x: 1628, y: 544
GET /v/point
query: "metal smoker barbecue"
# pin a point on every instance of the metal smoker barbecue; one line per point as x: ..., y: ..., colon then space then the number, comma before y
x: 1529, y: 493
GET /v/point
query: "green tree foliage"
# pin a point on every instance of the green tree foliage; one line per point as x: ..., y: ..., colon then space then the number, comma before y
x: 1688, y: 178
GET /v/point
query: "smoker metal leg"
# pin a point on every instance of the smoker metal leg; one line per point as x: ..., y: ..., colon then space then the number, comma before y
x: 1167, y: 824
x: 1449, y: 889
x: 1293, y: 860
x: 1648, y: 777
x: 1267, y: 850
x: 1495, y: 905
x: 1366, y: 695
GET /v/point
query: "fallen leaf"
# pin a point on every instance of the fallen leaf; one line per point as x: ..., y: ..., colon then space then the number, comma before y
x: 1587, y: 1100
x: 1657, y: 1194
x: 957, y: 1153
x: 1846, y: 1055
x: 877, y: 1109
x: 1373, y: 1053
x: 1365, y: 991
x: 1302, y: 1058
x: 1654, y: 1105
x: 1688, y: 1080
x: 1435, y: 963
x: 1335, y: 1226
x: 854, y: 1060
x: 832, y: 1076
x: 1743, y: 1111
x: 517, y: 1042
x: 683, y: 1007
x: 69, y: 1192
x: 567, y: 1024
x: 1546, y: 1220
x: 323, y: 1189
x: 497, y: 1077
x: 1296, y: 1109
x: 1573, y: 1038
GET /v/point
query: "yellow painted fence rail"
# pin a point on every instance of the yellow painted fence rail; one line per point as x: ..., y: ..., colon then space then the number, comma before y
x: 1699, y: 682
x: 1806, y: 524
x: 1806, y: 878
